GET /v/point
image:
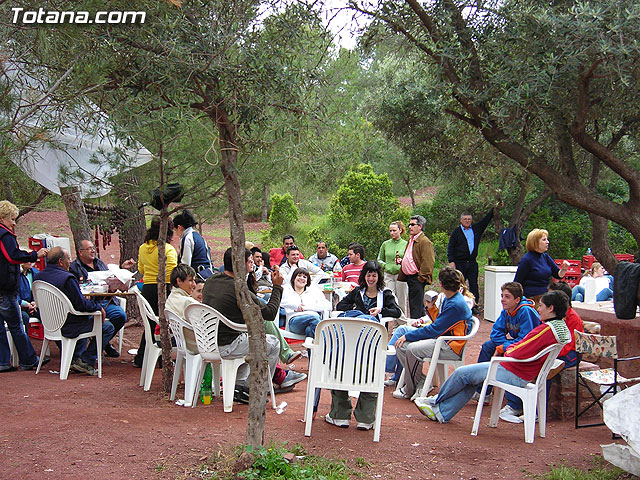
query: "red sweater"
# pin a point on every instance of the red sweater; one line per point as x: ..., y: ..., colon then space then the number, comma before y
x: 574, y: 322
x: 545, y: 334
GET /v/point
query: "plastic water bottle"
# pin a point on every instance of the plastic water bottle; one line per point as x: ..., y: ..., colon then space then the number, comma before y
x: 205, y: 388
x: 589, y: 251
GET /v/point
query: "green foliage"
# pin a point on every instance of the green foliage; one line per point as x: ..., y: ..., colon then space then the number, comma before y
x: 440, y: 242
x: 270, y: 464
x: 601, y: 470
x: 362, y: 208
x: 283, y: 215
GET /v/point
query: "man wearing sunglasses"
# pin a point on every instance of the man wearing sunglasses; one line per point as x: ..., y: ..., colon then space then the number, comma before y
x: 417, y: 265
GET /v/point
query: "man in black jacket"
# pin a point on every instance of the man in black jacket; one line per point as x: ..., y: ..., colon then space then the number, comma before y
x: 463, y: 249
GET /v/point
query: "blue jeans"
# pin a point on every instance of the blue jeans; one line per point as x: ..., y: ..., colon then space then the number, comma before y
x: 392, y: 364
x: 305, y: 324
x: 461, y: 385
x: 89, y: 353
x: 577, y: 294
x: 10, y: 313
x: 358, y: 314
x: 115, y: 314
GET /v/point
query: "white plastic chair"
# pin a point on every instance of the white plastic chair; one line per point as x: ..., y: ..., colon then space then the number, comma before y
x: 54, y: 307
x: 152, y: 351
x: 186, y: 360
x: 15, y: 360
x: 347, y: 354
x: 532, y: 395
x: 442, y: 364
x: 205, y: 321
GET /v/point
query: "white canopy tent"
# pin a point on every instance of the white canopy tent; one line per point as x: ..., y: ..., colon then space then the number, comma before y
x: 69, y: 146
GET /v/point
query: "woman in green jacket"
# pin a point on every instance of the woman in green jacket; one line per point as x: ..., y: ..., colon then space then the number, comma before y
x: 390, y: 257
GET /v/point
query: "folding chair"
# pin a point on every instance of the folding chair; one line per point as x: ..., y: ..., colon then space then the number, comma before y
x: 608, y: 379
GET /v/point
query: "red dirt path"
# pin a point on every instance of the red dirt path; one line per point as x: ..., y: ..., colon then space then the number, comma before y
x: 109, y: 428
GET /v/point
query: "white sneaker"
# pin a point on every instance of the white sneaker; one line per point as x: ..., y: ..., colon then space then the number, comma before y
x: 364, y: 426
x: 425, y: 407
x: 510, y: 415
x: 336, y: 422
x: 399, y: 393
x: 390, y: 383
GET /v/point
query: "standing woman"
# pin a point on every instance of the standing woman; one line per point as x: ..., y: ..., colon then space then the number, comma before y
x: 536, y: 267
x: 370, y: 299
x: 193, y: 248
x: 10, y: 259
x: 390, y: 258
x: 148, y: 267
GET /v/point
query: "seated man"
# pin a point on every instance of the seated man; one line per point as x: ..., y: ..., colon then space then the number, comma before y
x: 454, y: 318
x: 351, y: 271
x: 57, y: 274
x: 220, y: 293
x: 295, y: 260
x: 183, y: 282
x: 517, y: 318
x: 461, y: 385
x: 260, y: 270
x: 85, y: 262
x: 277, y: 256
x: 28, y: 306
x: 323, y: 259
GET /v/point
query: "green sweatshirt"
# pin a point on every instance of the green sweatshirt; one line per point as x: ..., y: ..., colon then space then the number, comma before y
x: 387, y: 254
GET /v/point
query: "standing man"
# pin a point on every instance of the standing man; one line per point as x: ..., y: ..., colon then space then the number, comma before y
x: 417, y: 265
x: 85, y: 262
x: 463, y: 249
x: 10, y: 259
x: 277, y: 256
x: 322, y: 258
x: 57, y: 274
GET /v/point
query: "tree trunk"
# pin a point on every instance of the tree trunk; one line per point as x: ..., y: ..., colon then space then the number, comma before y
x: 78, y: 220
x: 134, y: 227
x: 7, y: 190
x: 165, y: 338
x: 257, y: 357
x: 600, y: 242
x: 265, y: 203
x: 411, y: 192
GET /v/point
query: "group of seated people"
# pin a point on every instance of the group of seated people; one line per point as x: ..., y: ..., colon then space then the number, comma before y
x: 520, y: 331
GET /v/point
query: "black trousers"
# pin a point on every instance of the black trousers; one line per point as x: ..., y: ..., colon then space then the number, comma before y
x: 416, y: 296
x: 470, y: 272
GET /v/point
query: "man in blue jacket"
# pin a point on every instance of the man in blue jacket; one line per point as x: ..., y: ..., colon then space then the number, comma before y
x: 57, y: 274
x: 462, y: 250
x: 518, y: 317
x: 416, y: 345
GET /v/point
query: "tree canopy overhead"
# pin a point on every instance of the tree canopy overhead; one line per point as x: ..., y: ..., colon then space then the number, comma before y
x: 548, y: 84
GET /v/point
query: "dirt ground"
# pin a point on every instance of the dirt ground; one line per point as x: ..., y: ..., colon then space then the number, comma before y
x: 87, y: 427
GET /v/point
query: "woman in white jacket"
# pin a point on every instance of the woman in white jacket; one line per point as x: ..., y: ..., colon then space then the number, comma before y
x: 303, y: 305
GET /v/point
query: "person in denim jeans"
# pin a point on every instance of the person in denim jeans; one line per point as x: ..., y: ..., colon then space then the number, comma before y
x: 303, y: 305
x: 10, y: 259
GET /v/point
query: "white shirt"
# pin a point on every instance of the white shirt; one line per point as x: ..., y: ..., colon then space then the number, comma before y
x: 286, y: 270
x: 312, y: 299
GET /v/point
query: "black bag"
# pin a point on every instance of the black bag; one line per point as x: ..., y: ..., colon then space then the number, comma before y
x: 171, y: 192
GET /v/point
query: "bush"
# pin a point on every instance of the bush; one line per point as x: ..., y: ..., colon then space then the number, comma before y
x: 283, y: 215
x: 362, y: 209
x: 440, y: 242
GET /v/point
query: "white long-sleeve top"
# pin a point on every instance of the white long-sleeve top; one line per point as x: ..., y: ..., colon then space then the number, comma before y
x: 312, y: 299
